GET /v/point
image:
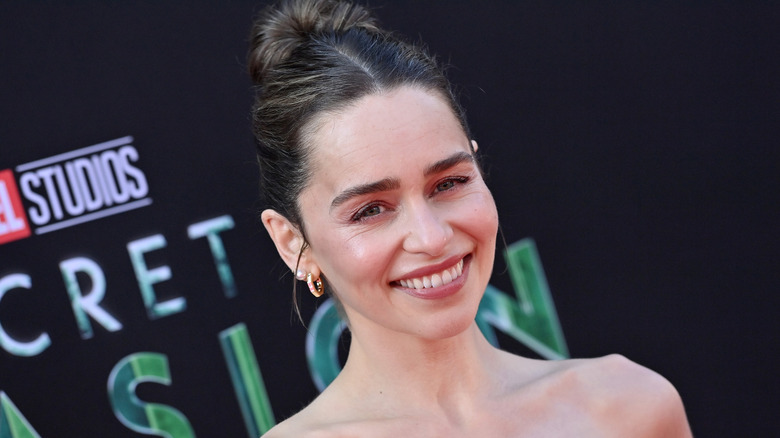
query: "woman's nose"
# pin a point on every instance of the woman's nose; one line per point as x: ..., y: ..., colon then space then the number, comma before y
x: 427, y: 231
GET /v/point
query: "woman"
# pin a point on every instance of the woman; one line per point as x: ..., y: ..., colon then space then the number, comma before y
x: 376, y: 196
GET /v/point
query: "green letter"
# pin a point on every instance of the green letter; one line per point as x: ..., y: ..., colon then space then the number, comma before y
x: 12, y: 422
x: 211, y: 229
x: 146, y: 418
x: 247, y: 380
x: 531, y: 319
x: 322, y: 341
x: 148, y: 277
x: 9, y: 344
x: 88, y: 303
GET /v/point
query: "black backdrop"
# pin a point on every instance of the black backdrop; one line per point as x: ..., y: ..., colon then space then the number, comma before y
x: 634, y: 141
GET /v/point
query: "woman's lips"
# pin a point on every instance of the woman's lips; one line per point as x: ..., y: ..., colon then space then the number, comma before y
x: 437, y: 285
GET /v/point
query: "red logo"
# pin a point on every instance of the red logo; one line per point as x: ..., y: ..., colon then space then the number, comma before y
x: 13, y: 222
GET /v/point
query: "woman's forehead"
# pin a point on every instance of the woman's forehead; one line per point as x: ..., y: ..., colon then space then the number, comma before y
x: 390, y: 136
x: 386, y: 126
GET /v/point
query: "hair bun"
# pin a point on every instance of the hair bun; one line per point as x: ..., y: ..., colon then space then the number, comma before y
x: 282, y: 28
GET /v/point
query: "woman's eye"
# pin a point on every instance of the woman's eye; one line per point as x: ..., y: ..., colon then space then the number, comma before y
x: 366, y: 212
x: 446, y: 185
x: 371, y: 211
x: 450, y: 184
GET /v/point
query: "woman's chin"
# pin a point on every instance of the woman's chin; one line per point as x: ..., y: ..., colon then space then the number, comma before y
x: 447, y: 326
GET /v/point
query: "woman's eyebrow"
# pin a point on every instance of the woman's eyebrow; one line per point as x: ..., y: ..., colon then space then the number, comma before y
x: 448, y: 163
x: 382, y: 185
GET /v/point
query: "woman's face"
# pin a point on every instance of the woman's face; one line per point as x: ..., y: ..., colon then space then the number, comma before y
x: 397, y: 215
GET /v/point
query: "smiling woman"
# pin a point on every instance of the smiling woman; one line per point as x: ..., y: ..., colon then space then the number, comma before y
x: 375, y: 195
x: 401, y: 200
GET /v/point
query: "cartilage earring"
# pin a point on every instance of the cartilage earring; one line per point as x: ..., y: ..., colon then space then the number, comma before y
x: 315, y: 286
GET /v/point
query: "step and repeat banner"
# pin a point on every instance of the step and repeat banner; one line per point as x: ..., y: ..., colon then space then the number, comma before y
x: 628, y: 147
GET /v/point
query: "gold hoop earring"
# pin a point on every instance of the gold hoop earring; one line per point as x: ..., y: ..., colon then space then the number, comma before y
x: 315, y: 286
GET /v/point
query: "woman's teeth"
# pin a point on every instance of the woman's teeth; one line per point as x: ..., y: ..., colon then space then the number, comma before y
x: 444, y: 277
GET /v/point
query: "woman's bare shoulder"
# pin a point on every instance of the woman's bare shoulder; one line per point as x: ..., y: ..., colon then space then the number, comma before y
x: 618, y: 395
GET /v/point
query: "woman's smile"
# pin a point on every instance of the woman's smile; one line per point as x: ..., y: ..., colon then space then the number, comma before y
x: 438, y: 285
x: 446, y: 276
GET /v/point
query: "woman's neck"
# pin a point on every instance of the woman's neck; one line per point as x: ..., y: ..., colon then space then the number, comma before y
x: 415, y: 373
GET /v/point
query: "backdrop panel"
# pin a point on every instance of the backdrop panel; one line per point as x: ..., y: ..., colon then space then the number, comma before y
x: 633, y: 141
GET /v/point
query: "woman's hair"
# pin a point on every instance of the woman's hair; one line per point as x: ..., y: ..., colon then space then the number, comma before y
x: 310, y: 58
x: 313, y: 57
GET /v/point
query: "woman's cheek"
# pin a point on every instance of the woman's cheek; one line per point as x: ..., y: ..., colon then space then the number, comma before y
x: 480, y: 213
x: 361, y: 254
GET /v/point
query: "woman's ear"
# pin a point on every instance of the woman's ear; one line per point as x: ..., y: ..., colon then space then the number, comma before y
x: 474, y: 146
x: 288, y: 238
